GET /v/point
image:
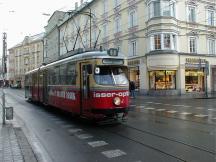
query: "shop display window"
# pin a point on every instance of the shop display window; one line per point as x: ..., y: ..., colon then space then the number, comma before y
x: 194, y: 80
x: 162, y: 79
x: 135, y: 76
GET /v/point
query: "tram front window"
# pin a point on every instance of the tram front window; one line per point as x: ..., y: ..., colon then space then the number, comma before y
x: 110, y: 76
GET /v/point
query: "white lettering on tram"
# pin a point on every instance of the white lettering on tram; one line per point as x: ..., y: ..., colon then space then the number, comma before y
x: 63, y: 94
x: 111, y: 94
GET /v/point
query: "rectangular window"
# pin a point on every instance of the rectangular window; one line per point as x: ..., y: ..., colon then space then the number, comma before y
x: 157, y: 41
x: 133, y: 48
x: 56, y: 75
x: 211, y: 46
x: 194, y: 80
x: 174, y: 42
x: 62, y: 76
x: 166, y: 8
x: 117, y: 25
x: 162, y: 80
x: 71, y: 74
x: 167, y: 44
x: 193, y: 45
x: 192, y: 14
x: 156, y: 8
x: 132, y: 19
x: 211, y: 18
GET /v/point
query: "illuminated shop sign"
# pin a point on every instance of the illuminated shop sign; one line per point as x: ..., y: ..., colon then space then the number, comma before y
x: 133, y: 62
x: 195, y: 62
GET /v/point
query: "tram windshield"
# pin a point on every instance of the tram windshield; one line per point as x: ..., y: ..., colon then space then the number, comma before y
x: 107, y: 75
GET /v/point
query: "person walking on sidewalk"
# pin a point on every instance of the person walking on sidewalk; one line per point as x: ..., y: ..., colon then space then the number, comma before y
x: 132, y: 88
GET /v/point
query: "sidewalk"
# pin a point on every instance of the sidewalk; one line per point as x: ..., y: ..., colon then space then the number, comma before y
x: 186, y: 96
x: 14, y: 146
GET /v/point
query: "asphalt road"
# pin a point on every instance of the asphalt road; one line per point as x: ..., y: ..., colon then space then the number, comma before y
x: 158, y: 129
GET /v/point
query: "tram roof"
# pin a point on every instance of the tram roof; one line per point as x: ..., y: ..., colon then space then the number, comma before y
x: 81, y: 56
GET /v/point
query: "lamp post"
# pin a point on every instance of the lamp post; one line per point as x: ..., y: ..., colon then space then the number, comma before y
x: 3, y: 75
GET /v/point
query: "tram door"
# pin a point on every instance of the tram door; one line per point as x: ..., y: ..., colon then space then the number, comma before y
x: 86, y: 70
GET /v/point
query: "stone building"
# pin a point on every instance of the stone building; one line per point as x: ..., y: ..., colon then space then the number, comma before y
x: 170, y: 44
x: 24, y: 57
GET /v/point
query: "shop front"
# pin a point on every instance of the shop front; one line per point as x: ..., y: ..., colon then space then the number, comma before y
x: 194, y: 80
x: 134, y: 72
x: 214, y: 79
x: 162, y: 74
x: 195, y: 75
x: 162, y: 79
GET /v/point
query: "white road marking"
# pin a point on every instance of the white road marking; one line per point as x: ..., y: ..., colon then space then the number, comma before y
x: 201, y: 116
x: 97, y: 143
x: 200, y: 108
x: 178, y: 105
x: 149, y: 102
x: 157, y: 103
x: 133, y: 105
x: 172, y: 111
x: 160, y: 109
x: 84, y: 136
x: 167, y: 104
x: 185, y: 113
x: 113, y: 153
x: 211, y: 109
x: 149, y: 108
x: 140, y: 106
x: 214, y: 118
x: 186, y: 106
x: 74, y: 130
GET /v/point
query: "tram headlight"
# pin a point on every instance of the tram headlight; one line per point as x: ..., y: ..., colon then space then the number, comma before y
x: 117, y: 101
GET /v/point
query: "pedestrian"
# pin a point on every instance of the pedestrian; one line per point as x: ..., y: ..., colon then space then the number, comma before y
x: 132, y: 88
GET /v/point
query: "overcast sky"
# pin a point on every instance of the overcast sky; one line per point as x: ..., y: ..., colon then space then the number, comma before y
x: 20, y: 18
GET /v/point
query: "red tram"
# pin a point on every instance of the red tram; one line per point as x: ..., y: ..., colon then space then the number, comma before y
x: 90, y: 84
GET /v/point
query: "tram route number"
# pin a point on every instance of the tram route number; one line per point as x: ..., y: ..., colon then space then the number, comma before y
x: 63, y: 94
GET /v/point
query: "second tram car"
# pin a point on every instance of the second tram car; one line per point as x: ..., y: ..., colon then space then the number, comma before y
x: 90, y: 84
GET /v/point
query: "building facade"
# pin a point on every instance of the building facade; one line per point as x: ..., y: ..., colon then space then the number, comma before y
x: 24, y: 57
x: 170, y: 44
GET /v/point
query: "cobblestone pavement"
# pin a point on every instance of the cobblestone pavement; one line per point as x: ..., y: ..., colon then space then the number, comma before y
x: 14, y: 146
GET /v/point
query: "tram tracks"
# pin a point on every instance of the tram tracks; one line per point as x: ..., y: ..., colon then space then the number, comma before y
x: 163, y: 139
x: 172, y: 139
x: 124, y: 130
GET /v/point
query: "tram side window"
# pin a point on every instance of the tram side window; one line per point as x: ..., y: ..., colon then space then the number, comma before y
x: 62, y: 76
x: 35, y: 79
x: 56, y: 77
x: 50, y: 76
x: 71, y: 74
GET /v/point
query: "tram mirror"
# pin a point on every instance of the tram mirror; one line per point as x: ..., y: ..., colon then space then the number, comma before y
x: 97, y: 70
x: 89, y: 69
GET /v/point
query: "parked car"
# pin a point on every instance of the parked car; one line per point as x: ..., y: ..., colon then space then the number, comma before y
x: 16, y: 86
